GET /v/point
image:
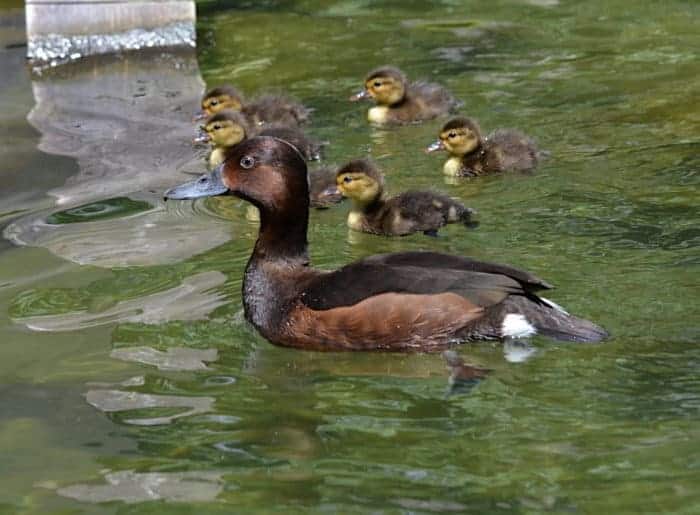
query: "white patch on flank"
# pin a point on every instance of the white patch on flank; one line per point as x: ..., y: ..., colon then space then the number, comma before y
x: 516, y: 326
x: 554, y: 305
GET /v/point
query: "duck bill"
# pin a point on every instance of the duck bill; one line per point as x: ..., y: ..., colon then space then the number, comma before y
x: 434, y: 147
x: 208, y: 185
x: 360, y: 95
x: 202, y: 137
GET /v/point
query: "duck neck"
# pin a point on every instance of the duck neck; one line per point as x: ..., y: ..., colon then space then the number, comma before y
x: 279, y: 258
x: 282, y: 236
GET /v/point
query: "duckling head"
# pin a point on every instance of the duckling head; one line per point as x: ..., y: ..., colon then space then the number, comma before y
x: 386, y: 86
x: 223, y: 129
x: 459, y: 136
x: 217, y: 99
x: 361, y: 181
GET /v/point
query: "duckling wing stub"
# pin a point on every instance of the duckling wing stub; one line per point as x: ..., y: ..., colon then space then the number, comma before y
x: 372, y: 277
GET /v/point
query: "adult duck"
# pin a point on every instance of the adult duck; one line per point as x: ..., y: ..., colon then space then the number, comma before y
x: 400, y: 102
x: 402, y: 301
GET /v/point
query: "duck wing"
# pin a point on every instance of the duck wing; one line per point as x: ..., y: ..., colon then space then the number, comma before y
x: 419, y: 273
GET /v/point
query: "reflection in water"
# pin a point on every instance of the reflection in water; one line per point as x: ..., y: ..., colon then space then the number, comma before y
x: 156, y: 236
x: 111, y: 401
x: 127, y: 121
x: 191, y: 300
x: 109, y: 208
x: 132, y: 487
x: 175, y: 358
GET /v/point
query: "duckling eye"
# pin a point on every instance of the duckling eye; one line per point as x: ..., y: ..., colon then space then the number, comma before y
x: 213, y: 102
x: 377, y: 84
x: 217, y: 127
x: 452, y: 135
x: 347, y: 179
x: 247, y: 162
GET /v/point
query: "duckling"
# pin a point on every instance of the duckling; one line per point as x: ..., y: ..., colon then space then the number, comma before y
x: 399, y: 102
x: 472, y: 155
x: 405, y: 301
x: 409, y: 212
x: 228, y: 128
x: 269, y: 109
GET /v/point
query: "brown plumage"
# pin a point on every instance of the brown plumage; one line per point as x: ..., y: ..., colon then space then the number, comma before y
x: 472, y: 154
x: 404, y: 301
x: 400, y: 102
x: 226, y: 129
x: 412, y: 211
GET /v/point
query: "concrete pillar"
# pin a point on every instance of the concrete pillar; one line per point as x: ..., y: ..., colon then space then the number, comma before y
x: 59, y: 30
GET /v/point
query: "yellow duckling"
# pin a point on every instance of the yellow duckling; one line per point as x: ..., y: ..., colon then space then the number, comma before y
x: 399, y: 102
x: 473, y: 155
x: 268, y: 109
x: 228, y: 128
x: 409, y: 212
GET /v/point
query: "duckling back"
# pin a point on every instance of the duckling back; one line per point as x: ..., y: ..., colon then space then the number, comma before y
x: 430, y: 100
x: 422, y: 211
x: 276, y: 109
x: 511, y: 150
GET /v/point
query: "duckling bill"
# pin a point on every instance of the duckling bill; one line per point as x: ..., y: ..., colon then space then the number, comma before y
x: 400, y: 102
x: 420, y: 301
x: 412, y: 211
x: 471, y: 154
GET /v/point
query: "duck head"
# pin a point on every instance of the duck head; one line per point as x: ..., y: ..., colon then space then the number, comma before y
x: 218, y: 99
x: 459, y: 136
x: 223, y: 129
x: 361, y: 181
x: 385, y: 85
x: 267, y: 172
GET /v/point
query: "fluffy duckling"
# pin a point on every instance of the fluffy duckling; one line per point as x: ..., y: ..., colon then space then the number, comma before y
x: 472, y: 155
x: 268, y: 109
x: 399, y: 102
x: 405, y: 301
x: 228, y: 128
x: 409, y: 212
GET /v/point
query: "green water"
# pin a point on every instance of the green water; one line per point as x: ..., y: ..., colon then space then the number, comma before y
x: 610, y: 89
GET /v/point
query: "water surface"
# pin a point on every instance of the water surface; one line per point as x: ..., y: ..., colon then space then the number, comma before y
x: 131, y: 383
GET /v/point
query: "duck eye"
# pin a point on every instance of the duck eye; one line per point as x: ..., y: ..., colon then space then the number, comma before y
x: 347, y: 179
x: 247, y: 162
x: 377, y: 84
x: 203, y: 179
x: 217, y: 127
x: 452, y: 135
x: 213, y: 102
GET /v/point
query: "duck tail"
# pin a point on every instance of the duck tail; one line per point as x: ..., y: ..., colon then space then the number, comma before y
x: 526, y: 316
x: 466, y: 216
